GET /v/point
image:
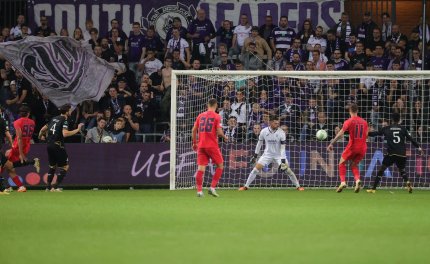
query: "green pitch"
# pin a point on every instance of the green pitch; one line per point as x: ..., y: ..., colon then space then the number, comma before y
x: 257, y: 226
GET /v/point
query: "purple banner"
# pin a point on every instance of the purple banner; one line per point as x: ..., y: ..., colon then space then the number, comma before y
x: 106, y: 164
x: 71, y: 14
x: 146, y: 164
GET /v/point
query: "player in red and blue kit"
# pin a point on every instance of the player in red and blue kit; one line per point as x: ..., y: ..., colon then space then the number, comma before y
x: 24, y: 127
x: 208, y: 128
x: 356, y: 148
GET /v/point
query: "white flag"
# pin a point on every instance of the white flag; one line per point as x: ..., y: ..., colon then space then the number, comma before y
x: 63, y: 69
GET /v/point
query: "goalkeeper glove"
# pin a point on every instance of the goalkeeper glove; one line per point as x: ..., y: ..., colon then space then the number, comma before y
x: 283, y: 165
x: 253, y: 159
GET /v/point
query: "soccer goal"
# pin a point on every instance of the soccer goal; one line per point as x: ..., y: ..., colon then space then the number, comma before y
x: 306, y: 102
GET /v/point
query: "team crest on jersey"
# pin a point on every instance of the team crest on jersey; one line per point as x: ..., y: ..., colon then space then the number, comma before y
x: 162, y: 18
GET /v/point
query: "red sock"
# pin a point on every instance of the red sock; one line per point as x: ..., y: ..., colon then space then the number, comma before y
x: 342, y: 172
x: 216, y: 177
x: 199, y: 180
x: 17, y: 181
x: 356, y: 172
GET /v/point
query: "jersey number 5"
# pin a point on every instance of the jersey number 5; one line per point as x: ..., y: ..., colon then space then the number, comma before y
x: 396, y: 137
x: 206, y: 125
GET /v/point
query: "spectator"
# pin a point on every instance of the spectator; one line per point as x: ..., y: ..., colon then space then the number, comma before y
x: 290, y: 138
x: 296, y: 48
x: 225, y: 112
x: 225, y: 63
x: 94, y: 39
x: 265, y: 121
x: 131, y: 123
x: 261, y: 46
x: 306, y: 33
x: 239, y: 108
x: 375, y: 40
x: 152, y: 42
x: 240, y: 33
x: 365, y: 30
x: 148, y: 110
x: 309, y: 118
x: 317, y: 39
x: 12, y: 98
x: 179, y: 43
x: 297, y: 62
x: 89, y: 24
x: 333, y: 43
x: 24, y: 89
x: 200, y: 31
x: 266, y: 106
x: 196, y: 65
x: 177, y: 24
x: 114, y: 23
x: 108, y: 54
x: 222, y: 48
x: 43, y: 30
x: 419, y: 29
x: 278, y: 62
x: 177, y: 62
x: 255, y: 116
x: 225, y: 34
x: 118, y: 133
x: 379, y: 61
x: 96, y: 134
x: 396, y: 35
x: 420, y: 115
x: 416, y: 62
x: 78, y: 35
x: 234, y: 132
x: 289, y: 113
x: 379, y: 93
x: 151, y: 64
x: 322, y: 56
x: 266, y: 29
x: 136, y: 41
x: 343, y: 30
x: 350, y: 47
x: 250, y: 58
x: 399, y: 59
x: 115, y: 102
x: 386, y: 26
x: 414, y: 40
x: 339, y: 63
x: 89, y: 112
x: 16, y: 31
x: 318, y: 61
x: 359, y: 60
x: 254, y: 135
x: 282, y: 36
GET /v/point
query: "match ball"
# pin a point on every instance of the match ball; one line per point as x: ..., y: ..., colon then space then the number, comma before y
x: 107, y: 139
x: 321, y: 134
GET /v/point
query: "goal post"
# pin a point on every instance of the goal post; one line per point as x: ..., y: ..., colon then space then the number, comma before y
x: 305, y: 101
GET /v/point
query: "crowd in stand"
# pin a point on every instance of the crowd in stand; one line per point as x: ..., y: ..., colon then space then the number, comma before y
x: 140, y: 98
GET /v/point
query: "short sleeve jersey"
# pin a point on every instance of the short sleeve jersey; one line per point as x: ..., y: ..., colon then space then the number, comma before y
x: 55, y: 129
x: 26, y: 125
x: 357, y: 128
x: 207, y: 124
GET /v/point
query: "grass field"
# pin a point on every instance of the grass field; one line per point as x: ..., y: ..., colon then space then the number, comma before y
x: 258, y: 226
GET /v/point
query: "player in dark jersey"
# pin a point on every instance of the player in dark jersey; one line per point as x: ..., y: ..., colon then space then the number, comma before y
x: 395, y: 137
x: 356, y: 148
x: 57, y: 130
x: 208, y: 128
x: 4, y: 134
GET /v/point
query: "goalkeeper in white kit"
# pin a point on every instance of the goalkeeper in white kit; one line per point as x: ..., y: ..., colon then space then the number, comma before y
x: 274, y: 152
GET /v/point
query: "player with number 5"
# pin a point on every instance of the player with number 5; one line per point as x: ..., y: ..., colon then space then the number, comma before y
x: 274, y: 139
x: 356, y: 148
x: 208, y: 128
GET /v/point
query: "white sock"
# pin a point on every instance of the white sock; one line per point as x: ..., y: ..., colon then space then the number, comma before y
x: 293, y: 177
x: 251, y: 177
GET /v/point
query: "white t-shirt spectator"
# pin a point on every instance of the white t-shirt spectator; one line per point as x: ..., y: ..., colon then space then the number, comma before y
x: 180, y: 44
x: 242, y: 32
x: 153, y: 66
x: 322, y: 41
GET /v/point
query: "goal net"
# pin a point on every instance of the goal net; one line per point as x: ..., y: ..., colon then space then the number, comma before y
x: 305, y: 101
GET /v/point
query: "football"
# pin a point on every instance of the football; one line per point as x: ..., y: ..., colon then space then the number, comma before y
x: 321, y: 134
x: 107, y: 139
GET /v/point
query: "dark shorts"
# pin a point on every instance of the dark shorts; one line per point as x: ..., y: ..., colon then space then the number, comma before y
x: 57, y: 156
x: 393, y: 159
x: 204, y: 154
x: 3, y: 160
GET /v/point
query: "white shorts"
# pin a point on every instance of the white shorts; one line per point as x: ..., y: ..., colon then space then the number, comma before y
x: 266, y: 160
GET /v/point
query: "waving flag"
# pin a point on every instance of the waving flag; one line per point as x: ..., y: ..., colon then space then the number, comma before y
x: 63, y: 69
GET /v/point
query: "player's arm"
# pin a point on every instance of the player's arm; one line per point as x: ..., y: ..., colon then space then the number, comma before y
x: 220, y: 133
x: 380, y: 132
x: 335, y: 139
x: 42, y: 131
x: 9, y: 137
x: 283, y: 165
x: 69, y: 133
x: 257, y: 149
x: 414, y: 142
x: 194, y: 134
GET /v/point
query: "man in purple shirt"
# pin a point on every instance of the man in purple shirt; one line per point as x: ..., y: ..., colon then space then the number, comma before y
x: 135, y: 46
x: 200, y: 31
